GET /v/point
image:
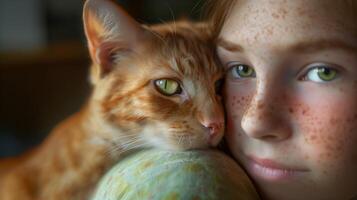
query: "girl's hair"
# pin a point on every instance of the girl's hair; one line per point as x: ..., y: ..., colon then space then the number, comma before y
x: 216, y: 13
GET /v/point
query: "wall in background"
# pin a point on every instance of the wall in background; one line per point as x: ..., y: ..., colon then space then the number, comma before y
x: 22, y: 25
x: 32, y: 24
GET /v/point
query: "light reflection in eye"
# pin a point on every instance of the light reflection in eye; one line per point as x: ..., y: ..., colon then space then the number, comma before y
x: 320, y: 74
x: 240, y: 71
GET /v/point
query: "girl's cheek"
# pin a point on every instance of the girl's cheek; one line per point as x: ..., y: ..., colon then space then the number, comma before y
x: 233, y: 109
x: 237, y: 96
x: 236, y: 102
x: 328, y: 131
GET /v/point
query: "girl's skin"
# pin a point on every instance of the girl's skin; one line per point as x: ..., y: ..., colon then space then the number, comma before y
x: 293, y: 128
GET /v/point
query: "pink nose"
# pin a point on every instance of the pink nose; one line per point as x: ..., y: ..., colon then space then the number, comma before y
x: 214, y: 123
x: 215, y: 128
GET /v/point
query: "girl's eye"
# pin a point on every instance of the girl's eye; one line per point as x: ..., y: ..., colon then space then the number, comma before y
x: 168, y: 87
x: 321, y: 74
x: 240, y: 71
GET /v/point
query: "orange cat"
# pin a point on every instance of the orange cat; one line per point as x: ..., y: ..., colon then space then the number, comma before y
x: 152, y: 87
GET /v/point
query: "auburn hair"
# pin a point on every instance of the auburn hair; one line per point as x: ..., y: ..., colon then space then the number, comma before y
x: 216, y: 12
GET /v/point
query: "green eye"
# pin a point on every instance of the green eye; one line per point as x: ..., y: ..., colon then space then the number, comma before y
x: 321, y: 74
x: 240, y: 71
x: 168, y: 87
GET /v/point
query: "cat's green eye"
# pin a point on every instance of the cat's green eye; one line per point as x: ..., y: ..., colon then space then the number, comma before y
x: 321, y: 74
x: 240, y: 71
x: 168, y: 87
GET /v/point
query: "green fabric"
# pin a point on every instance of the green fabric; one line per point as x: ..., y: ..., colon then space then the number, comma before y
x: 167, y: 175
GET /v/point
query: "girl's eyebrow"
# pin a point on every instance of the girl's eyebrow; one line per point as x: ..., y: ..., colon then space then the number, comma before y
x: 323, y: 44
x: 228, y: 45
x: 299, y: 47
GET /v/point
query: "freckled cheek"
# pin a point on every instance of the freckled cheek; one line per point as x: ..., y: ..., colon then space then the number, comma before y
x: 236, y: 102
x: 329, y: 132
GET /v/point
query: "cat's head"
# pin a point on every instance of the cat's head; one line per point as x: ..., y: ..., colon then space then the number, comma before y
x: 154, y: 86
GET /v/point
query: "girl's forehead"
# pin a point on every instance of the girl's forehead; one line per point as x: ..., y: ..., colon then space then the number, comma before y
x: 282, y: 22
x: 309, y: 9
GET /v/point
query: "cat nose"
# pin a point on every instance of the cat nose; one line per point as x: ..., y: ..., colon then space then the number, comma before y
x: 212, y: 118
x: 215, y: 129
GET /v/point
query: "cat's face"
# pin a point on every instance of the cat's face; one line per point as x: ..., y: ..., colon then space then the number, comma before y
x: 161, y: 90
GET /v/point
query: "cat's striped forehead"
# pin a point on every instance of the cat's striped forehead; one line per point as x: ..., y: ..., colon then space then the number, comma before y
x: 187, y: 49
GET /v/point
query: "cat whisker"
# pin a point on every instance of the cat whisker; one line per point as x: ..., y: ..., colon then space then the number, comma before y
x: 134, y: 147
x: 195, y: 6
x: 180, y: 140
x: 158, y: 36
x: 177, y: 138
x: 173, y: 17
x: 119, y: 148
x: 129, y: 143
x: 126, y: 137
x: 137, y: 146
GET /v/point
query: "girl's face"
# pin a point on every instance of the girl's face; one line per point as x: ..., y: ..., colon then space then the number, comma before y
x: 291, y: 96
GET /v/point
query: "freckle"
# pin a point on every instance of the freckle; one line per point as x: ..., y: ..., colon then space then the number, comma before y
x: 284, y: 96
x: 315, y: 131
x: 276, y: 16
x: 312, y: 138
x: 234, y: 97
x: 333, y: 121
x: 330, y: 137
x: 282, y: 12
x: 270, y: 31
x: 256, y: 37
x: 291, y: 110
x: 304, y: 112
x: 260, y: 105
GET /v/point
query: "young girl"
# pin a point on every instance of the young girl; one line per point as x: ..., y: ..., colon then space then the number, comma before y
x: 291, y: 94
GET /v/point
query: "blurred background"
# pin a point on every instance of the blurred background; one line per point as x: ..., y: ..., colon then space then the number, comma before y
x: 44, y: 62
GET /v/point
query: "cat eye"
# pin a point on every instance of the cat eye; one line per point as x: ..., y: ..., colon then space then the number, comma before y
x: 240, y: 71
x: 320, y: 73
x: 168, y: 87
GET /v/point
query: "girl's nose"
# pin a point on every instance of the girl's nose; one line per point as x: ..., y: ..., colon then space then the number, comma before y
x: 264, y: 118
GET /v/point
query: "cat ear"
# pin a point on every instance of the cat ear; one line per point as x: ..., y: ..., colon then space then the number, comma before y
x: 109, y: 31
